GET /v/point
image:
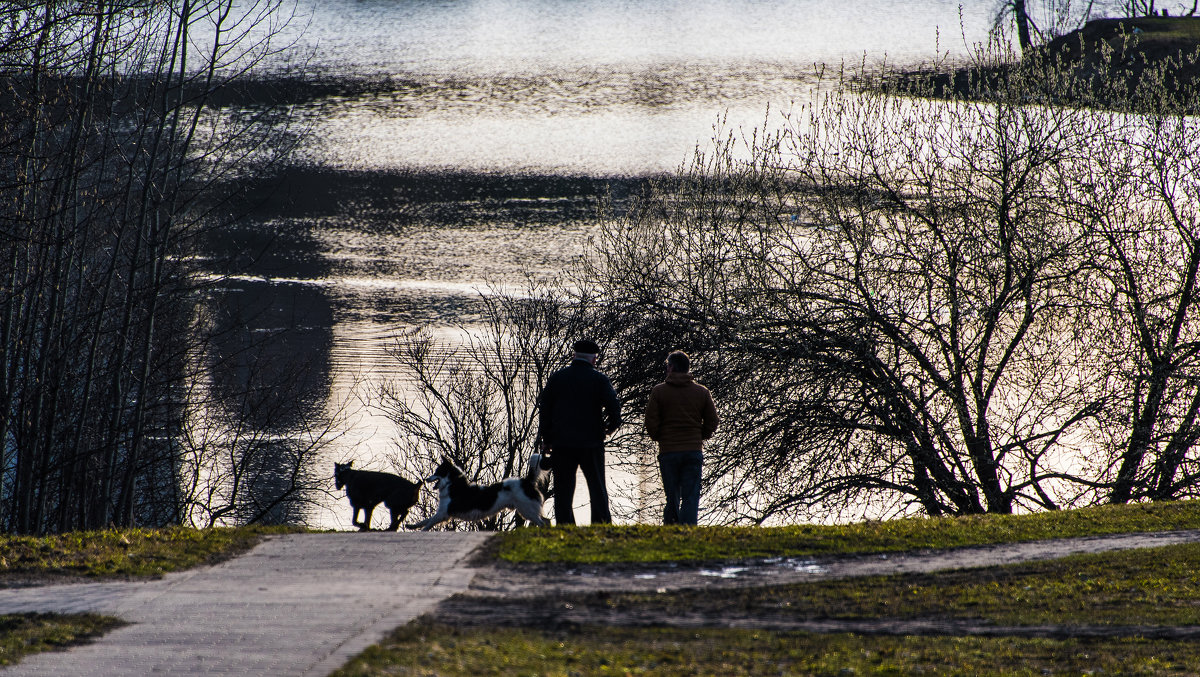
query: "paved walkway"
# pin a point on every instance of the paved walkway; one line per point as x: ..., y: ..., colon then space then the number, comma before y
x: 300, y: 604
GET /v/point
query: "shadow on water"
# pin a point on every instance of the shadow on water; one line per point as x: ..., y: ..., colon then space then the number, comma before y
x: 268, y: 385
x: 271, y: 351
x: 440, y: 198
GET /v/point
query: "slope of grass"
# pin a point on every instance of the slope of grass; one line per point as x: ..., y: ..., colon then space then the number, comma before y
x: 447, y: 651
x: 24, y: 634
x: 1149, y: 587
x: 1124, y: 591
x: 124, y: 552
x: 645, y: 543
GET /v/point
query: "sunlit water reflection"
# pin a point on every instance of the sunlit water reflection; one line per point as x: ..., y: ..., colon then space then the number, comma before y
x: 481, y: 137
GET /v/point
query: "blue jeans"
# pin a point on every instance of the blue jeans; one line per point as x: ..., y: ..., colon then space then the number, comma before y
x: 681, y: 482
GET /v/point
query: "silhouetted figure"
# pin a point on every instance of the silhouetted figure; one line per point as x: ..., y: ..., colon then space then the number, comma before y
x: 578, y: 408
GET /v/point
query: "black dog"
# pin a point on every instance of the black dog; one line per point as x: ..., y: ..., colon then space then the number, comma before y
x: 366, y: 489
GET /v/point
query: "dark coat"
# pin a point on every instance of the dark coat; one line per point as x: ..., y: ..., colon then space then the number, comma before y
x: 577, y: 408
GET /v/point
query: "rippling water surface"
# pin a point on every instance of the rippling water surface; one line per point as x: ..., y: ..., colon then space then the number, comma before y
x: 593, y: 87
x: 477, y: 139
x: 523, y: 35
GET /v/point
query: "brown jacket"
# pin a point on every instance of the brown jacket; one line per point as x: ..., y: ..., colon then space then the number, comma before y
x: 680, y: 414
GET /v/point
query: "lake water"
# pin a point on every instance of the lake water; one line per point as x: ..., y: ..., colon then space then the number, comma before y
x: 594, y: 87
x: 477, y: 139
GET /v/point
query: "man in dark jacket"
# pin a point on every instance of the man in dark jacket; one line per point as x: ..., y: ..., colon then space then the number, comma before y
x: 578, y: 408
x: 680, y: 416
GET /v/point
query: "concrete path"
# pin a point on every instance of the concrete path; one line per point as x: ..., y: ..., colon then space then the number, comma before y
x: 300, y: 604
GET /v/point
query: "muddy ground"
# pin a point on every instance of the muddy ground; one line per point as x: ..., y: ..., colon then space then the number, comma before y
x: 548, y: 596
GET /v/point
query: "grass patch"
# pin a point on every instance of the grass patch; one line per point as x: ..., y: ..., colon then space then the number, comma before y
x: 24, y: 634
x: 428, y: 648
x: 125, y: 552
x: 1157, y: 30
x: 645, y: 543
x: 1153, y: 587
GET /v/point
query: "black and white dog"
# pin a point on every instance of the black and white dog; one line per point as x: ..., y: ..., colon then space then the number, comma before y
x: 464, y: 500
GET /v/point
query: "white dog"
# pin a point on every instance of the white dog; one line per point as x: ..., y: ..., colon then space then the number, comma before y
x: 464, y: 500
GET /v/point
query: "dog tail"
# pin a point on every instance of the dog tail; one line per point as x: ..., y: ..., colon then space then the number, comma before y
x: 535, y: 467
x: 535, y: 484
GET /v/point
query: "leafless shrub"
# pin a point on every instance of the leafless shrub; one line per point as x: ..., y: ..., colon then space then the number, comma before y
x: 470, y: 394
x: 936, y: 305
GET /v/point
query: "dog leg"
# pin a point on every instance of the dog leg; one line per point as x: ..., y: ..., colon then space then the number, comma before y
x: 430, y: 523
x: 530, y: 514
x: 354, y: 518
x: 398, y: 517
x: 423, y: 524
x: 366, y: 523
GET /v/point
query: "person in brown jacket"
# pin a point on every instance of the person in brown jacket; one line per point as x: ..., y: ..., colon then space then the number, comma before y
x: 680, y: 416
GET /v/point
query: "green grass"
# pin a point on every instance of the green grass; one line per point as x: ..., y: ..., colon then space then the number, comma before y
x: 644, y: 543
x: 432, y: 649
x: 24, y: 634
x: 1153, y: 587
x: 1167, y: 29
x: 124, y: 552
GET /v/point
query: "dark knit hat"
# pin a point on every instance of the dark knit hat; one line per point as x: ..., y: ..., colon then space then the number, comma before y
x: 586, y: 346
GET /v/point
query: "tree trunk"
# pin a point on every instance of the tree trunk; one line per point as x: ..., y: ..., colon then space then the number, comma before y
x: 1022, y: 19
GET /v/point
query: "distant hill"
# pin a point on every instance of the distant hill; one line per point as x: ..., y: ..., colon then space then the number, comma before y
x: 1130, y: 46
x: 1107, y: 60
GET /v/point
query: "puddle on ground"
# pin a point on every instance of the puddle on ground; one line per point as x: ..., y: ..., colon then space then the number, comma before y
x: 727, y: 572
x: 804, y: 566
x: 765, y: 567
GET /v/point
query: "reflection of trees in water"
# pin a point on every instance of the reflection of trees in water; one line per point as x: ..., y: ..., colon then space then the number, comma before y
x: 277, y: 482
x: 257, y: 425
x: 270, y: 355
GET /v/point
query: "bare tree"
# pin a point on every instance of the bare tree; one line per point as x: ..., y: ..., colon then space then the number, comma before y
x: 1037, y: 23
x: 111, y: 161
x: 1147, y: 259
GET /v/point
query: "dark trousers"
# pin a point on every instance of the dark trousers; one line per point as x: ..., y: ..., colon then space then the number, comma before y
x: 566, y: 462
x: 681, y: 482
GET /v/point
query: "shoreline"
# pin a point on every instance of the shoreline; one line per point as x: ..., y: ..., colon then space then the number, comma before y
x: 1105, y: 63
